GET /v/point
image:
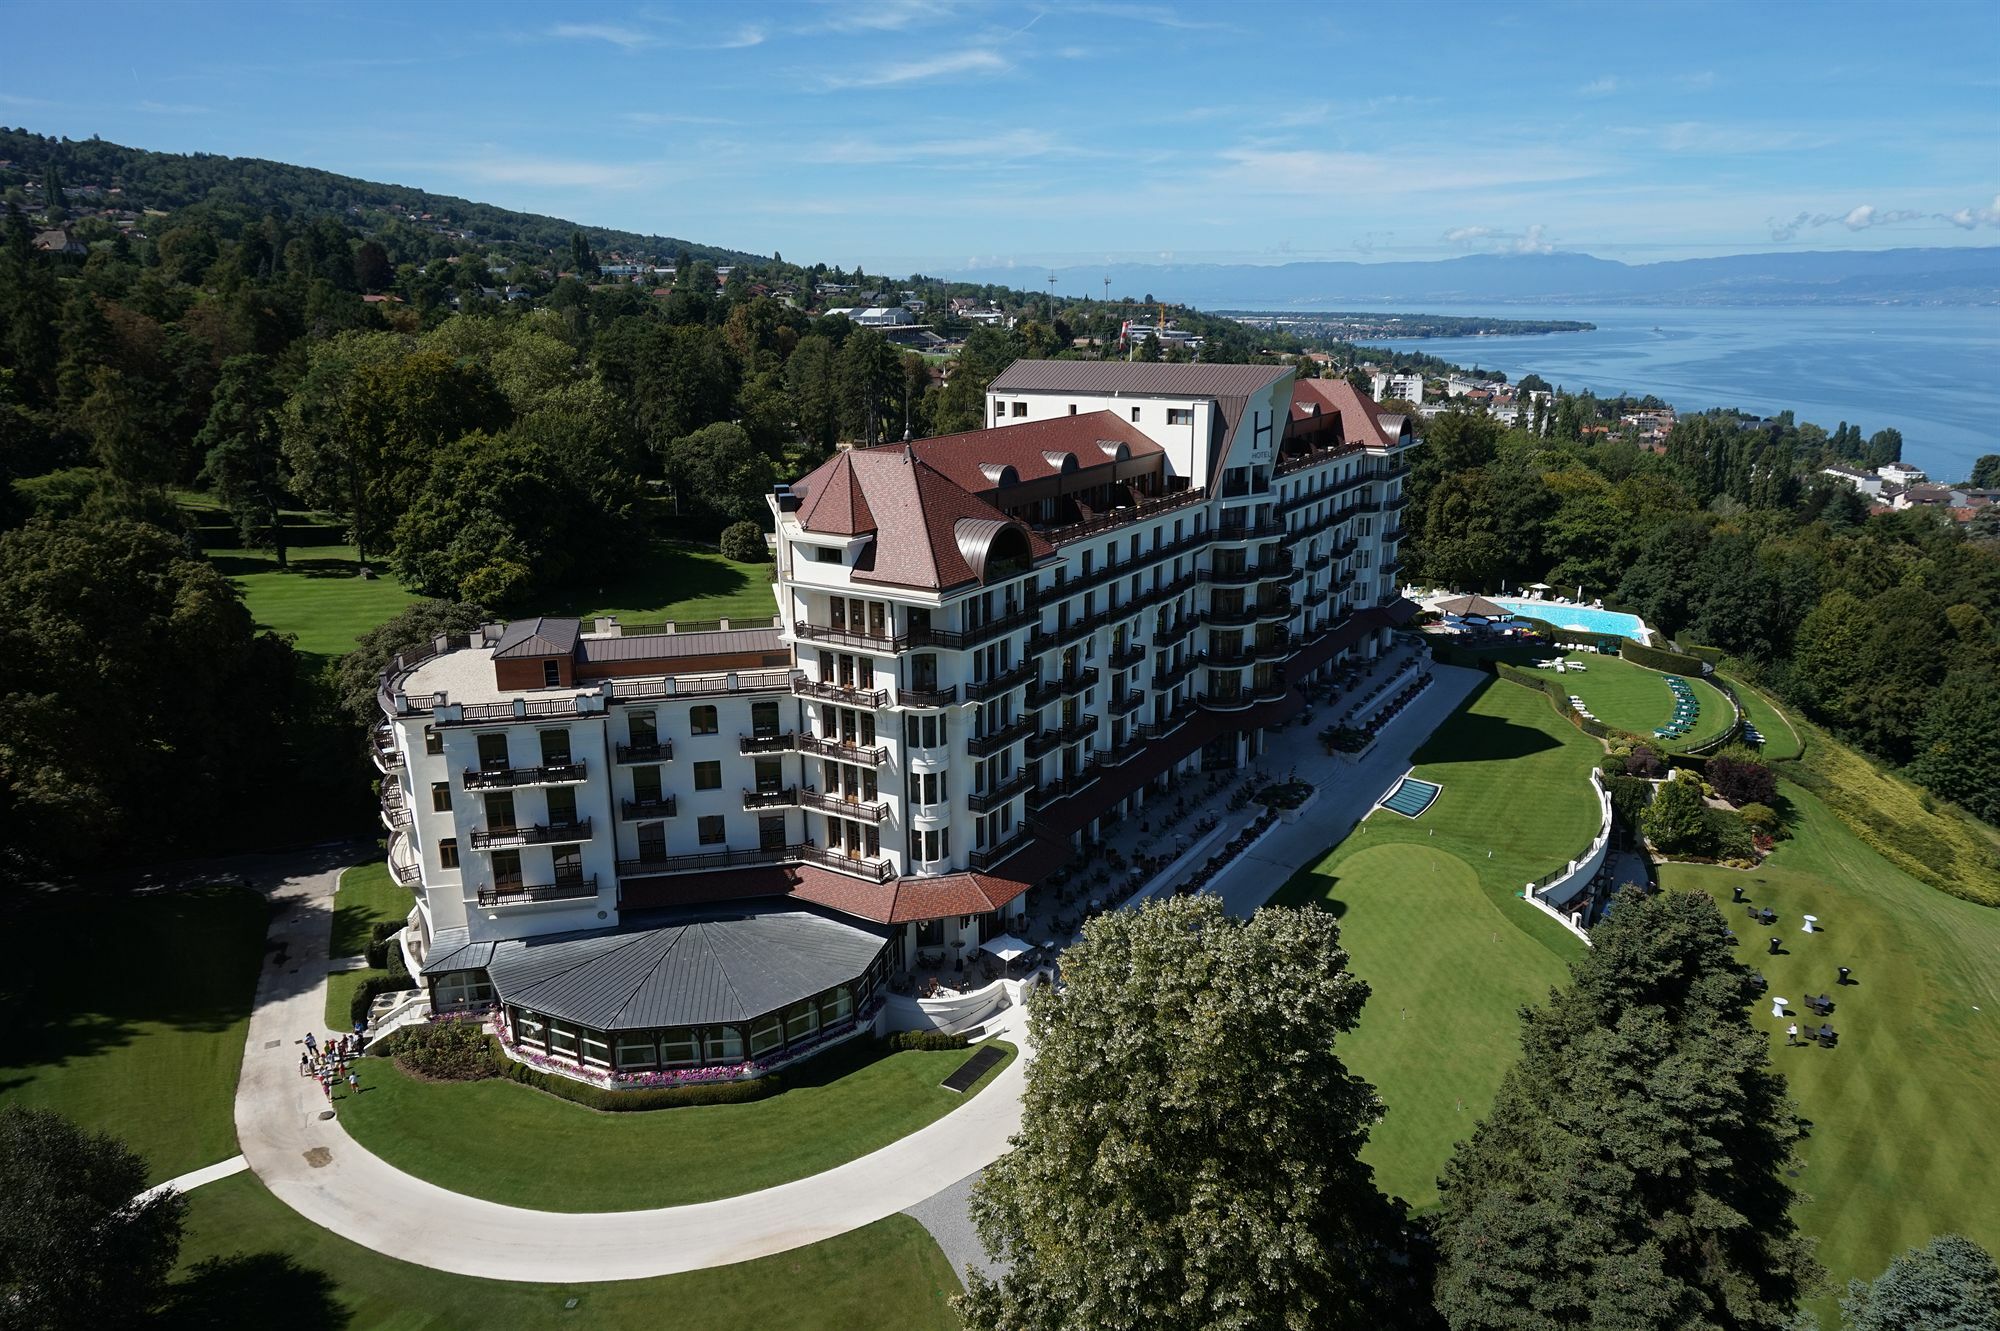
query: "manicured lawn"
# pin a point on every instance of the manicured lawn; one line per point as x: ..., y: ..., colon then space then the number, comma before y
x: 277, y: 1269
x: 1781, y: 741
x: 534, y: 1150
x: 1630, y: 697
x: 367, y: 895
x: 1903, y: 1144
x: 1431, y: 917
x: 680, y: 582
x: 128, y: 1014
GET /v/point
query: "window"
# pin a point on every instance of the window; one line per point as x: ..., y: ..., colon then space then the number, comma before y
x: 708, y: 776
x: 769, y: 775
x: 801, y: 1020
x: 701, y: 721
x: 836, y: 1005
x: 441, y: 797
x: 562, y: 806
x: 1072, y: 408
x: 1135, y: 415
x: 555, y: 748
x: 646, y: 785
x: 506, y: 867
x: 680, y: 1047
x: 460, y: 988
x: 764, y: 719
x: 771, y: 831
x: 551, y: 675
x: 636, y: 1050
x: 499, y: 811
x: 1020, y: 409
x: 1180, y: 415
x: 530, y: 1029
x: 725, y: 1044
x: 596, y: 1051
x: 645, y: 729
x: 822, y: 554
x: 766, y: 1034
x: 433, y: 742
x: 930, y: 933
x: 652, y: 842
x: 709, y: 829
x: 492, y: 751
x: 562, y: 1039
x: 448, y: 853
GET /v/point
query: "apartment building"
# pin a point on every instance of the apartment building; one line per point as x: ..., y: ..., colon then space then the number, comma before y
x: 664, y: 849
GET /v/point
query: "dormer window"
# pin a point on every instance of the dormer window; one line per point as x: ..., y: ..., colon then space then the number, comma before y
x: 551, y: 675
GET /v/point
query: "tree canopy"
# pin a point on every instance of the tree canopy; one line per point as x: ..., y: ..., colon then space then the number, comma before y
x: 1949, y: 1284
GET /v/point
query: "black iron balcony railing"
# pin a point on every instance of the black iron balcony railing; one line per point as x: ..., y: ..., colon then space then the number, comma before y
x: 1000, y: 683
x: 981, y: 860
x: 983, y: 802
x: 958, y: 640
x: 845, y: 637
x: 1227, y: 616
x: 531, y: 834
x: 1395, y: 504
x: 801, y: 852
x: 1127, y: 704
x: 846, y: 808
x: 846, y: 694
x: 502, y: 778
x: 646, y: 751
x: 1160, y: 729
x: 981, y: 746
x: 1047, y: 691
x: 1057, y: 736
x: 1177, y: 673
x: 927, y: 697
x: 1391, y: 537
x: 516, y: 892
x: 777, y: 797
x: 656, y: 806
x: 782, y: 742
x: 1250, y: 531
x: 1126, y: 658
x: 872, y: 754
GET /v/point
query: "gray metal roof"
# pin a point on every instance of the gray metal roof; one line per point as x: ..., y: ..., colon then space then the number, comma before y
x: 542, y: 636
x: 675, y: 968
x: 1157, y: 379
x: 669, y: 646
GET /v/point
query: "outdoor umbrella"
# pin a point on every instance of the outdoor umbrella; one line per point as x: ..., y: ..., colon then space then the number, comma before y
x: 1006, y: 947
x: 1462, y: 606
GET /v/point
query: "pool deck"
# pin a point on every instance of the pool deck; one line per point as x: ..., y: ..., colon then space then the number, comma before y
x: 1552, y: 612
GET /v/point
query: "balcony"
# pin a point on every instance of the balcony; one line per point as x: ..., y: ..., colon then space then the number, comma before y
x: 1128, y: 657
x: 1393, y: 566
x: 1177, y: 674
x: 1391, y: 537
x: 1228, y: 616
x: 1057, y: 736
x: 534, y: 834
x: 1146, y: 508
x: 658, y: 806
x: 514, y: 892
x: 927, y: 697
x: 803, y: 852
x: 1274, y: 649
x: 974, y: 636
x: 1319, y: 563
x: 1281, y: 608
x: 1249, y: 531
x: 846, y: 751
x: 979, y: 861
x: 845, y: 808
x: 510, y: 778
x: 845, y: 694
x: 382, y: 748
x: 1047, y: 691
x: 981, y: 746
x: 647, y: 751
x: 395, y: 812
x: 845, y: 637
x: 1001, y: 683
x: 1013, y: 788
x: 1395, y: 505
x: 1128, y: 704
x: 1153, y: 730
x: 778, y: 797
x: 1076, y: 629
x: 778, y: 743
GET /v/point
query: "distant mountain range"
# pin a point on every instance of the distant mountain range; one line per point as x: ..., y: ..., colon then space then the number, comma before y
x: 1963, y: 276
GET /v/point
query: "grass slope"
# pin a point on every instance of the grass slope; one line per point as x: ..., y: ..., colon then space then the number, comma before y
x: 1435, y: 927
x: 535, y: 1150
x: 128, y: 1014
x: 275, y: 1268
x: 367, y: 895
x: 1630, y: 697
x: 1902, y: 1144
x: 681, y: 582
x: 1781, y: 740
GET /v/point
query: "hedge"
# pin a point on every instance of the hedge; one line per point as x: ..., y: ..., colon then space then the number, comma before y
x: 363, y: 998
x: 1711, y: 655
x: 650, y: 1097
x: 1589, y: 726
x: 1659, y: 658
x: 926, y: 1040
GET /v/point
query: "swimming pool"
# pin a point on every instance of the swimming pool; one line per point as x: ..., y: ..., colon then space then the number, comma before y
x: 1583, y: 618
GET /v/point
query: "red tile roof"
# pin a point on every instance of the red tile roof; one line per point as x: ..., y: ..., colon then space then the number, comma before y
x: 1028, y: 446
x: 1361, y: 421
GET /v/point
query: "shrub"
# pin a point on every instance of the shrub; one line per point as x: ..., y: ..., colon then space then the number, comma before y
x: 446, y: 1051
x: 1658, y: 658
x: 1675, y: 821
x: 744, y: 543
x: 1643, y: 761
x: 653, y: 1097
x: 1628, y: 799
x: 1759, y: 818
x: 396, y: 977
x: 1742, y: 782
x: 928, y: 1040
x: 1729, y: 836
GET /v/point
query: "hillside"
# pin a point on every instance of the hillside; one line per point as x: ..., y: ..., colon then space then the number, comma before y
x: 252, y: 186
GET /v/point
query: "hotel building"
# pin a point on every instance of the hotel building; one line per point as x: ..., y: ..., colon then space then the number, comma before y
x: 666, y: 847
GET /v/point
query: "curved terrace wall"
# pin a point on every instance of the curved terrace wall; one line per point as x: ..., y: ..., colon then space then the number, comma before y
x: 1558, y: 893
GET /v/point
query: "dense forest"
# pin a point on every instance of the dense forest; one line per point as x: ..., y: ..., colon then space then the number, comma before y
x: 1880, y: 626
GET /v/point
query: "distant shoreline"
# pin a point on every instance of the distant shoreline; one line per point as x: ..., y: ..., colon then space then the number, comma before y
x: 1354, y: 325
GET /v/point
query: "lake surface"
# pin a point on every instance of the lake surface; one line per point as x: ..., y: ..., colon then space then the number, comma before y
x: 1931, y: 372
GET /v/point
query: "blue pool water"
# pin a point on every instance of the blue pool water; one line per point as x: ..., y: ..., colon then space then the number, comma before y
x: 1411, y: 796
x: 1583, y: 617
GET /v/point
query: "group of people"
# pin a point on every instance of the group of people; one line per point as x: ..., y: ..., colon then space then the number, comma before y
x: 332, y: 1062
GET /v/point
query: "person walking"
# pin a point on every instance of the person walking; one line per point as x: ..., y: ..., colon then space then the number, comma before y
x: 326, y: 1085
x: 1792, y: 1033
x: 354, y: 1081
x: 305, y: 1064
x: 312, y: 1044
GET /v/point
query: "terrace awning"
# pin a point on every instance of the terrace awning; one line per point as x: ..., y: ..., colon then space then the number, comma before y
x: 1006, y: 947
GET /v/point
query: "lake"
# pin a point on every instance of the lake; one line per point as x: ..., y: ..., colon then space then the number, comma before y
x: 1932, y: 372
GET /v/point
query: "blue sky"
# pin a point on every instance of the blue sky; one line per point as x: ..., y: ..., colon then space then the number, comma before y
x: 942, y: 133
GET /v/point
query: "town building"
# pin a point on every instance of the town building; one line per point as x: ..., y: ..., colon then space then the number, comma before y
x: 1403, y: 387
x: 1867, y: 482
x: 675, y: 846
x: 1900, y: 473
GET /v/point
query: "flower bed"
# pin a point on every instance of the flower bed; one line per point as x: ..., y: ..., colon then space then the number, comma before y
x: 1223, y: 858
x: 1285, y: 795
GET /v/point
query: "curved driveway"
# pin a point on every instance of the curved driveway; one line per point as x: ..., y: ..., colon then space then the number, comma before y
x: 314, y: 1167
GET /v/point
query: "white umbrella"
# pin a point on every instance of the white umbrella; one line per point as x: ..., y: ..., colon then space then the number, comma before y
x: 1006, y: 947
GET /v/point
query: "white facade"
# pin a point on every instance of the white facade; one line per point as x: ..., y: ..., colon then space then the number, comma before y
x: 1408, y: 387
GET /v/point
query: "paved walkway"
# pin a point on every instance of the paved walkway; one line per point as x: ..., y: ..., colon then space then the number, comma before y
x: 313, y: 1166
x: 194, y: 1178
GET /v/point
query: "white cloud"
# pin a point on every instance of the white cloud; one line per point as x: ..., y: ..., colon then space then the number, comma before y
x: 1465, y: 235
x: 1602, y: 87
x: 1495, y: 241
x: 982, y: 150
x: 885, y: 15
x: 747, y: 35
x: 903, y: 73
x: 1859, y: 218
x: 1971, y: 218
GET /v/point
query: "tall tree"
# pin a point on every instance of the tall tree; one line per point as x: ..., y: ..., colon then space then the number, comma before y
x: 1632, y: 1170
x: 1190, y: 1139
x: 1949, y: 1284
x: 76, y: 1249
x: 241, y: 457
